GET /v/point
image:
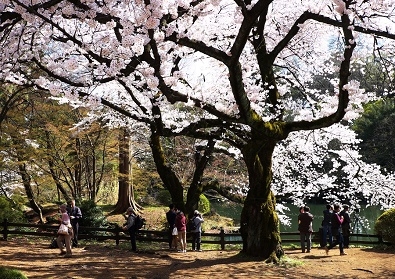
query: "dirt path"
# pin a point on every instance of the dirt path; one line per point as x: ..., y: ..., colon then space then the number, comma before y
x: 37, y: 261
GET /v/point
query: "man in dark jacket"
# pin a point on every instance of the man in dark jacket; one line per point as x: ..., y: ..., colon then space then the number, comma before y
x: 75, y: 217
x: 346, y: 225
x: 305, y: 220
x: 327, y: 226
x: 171, y: 220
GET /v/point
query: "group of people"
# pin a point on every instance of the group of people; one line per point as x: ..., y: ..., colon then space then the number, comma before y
x: 336, y: 227
x: 70, y: 216
x: 177, y: 228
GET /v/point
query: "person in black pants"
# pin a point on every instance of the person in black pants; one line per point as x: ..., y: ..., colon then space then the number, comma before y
x: 171, y: 220
x: 131, y: 227
x: 197, y: 232
x: 75, y: 217
x: 346, y: 225
x: 305, y: 221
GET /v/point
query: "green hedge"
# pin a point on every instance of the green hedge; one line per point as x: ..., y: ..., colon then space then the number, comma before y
x: 6, y: 273
x: 385, y: 226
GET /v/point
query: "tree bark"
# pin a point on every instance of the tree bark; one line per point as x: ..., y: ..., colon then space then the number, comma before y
x: 259, y: 221
x: 166, y: 173
x: 28, y: 189
x: 196, y: 187
x: 125, y: 198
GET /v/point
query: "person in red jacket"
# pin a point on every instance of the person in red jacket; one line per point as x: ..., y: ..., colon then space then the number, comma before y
x: 182, y: 228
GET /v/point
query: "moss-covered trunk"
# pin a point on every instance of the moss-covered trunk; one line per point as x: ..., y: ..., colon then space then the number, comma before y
x: 259, y: 221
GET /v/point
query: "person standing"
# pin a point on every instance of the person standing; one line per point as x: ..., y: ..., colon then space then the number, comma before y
x: 182, y: 228
x: 197, y: 233
x: 65, y: 238
x: 327, y: 225
x: 305, y: 220
x: 336, y: 222
x: 171, y: 220
x: 131, y: 227
x: 346, y: 225
x: 75, y: 217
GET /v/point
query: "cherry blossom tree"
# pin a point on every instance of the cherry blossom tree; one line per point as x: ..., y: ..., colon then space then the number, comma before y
x: 326, y: 164
x: 231, y: 71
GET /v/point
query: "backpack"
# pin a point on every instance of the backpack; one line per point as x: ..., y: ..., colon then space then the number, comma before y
x: 54, y: 243
x: 139, y: 222
x: 191, y: 226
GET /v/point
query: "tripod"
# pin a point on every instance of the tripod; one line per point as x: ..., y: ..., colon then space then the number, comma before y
x: 358, y: 227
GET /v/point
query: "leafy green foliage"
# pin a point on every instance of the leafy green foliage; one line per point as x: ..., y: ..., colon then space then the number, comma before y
x: 376, y: 130
x: 163, y: 197
x: 11, y: 210
x: 204, y: 204
x: 385, y: 225
x: 6, y: 273
x: 92, y: 215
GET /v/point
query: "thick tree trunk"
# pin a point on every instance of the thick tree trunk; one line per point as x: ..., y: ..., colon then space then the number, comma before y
x: 202, y: 158
x: 166, y: 173
x: 125, y: 198
x: 259, y: 220
x: 78, y: 170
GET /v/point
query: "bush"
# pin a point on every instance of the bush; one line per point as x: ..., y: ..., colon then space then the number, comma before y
x: 385, y: 226
x: 6, y: 273
x: 164, y: 197
x: 204, y: 204
x: 11, y: 210
x: 92, y: 215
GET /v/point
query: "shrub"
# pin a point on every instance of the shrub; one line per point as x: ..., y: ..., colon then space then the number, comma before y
x: 7, y: 273
x: 164, y: 197
x: 385, y: 225
x: 204, y: 204
x: 11, y: 210
x: 92, y: 215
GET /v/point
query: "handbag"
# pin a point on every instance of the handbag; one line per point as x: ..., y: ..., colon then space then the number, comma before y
x: 175, y: 231
x: 63, y: 229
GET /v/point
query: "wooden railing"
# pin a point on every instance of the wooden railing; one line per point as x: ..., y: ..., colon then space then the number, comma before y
x: 117, y: 234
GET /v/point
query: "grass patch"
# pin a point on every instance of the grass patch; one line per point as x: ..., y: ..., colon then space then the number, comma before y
x: 288, y: 262
x: 8, y: 273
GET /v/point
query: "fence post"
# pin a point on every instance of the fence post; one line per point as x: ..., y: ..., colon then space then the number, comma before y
x: 380, y: 238
x: 222, y: 236
x: 5, y: 232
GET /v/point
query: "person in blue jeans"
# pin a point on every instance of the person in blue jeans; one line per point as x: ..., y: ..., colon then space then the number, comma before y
x: 327, y: 225
x: 337, y: 221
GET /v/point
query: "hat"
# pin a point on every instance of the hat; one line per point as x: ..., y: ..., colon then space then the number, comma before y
x: 130, y: 209
x: 196, y: 212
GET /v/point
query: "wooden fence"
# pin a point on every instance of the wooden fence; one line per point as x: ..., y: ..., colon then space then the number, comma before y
x: 117, y: 234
